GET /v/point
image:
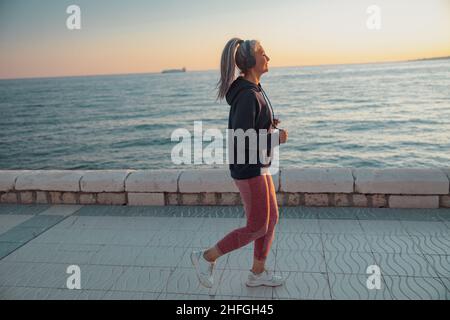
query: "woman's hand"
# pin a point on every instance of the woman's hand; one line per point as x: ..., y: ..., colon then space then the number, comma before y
x: 276, y: 122
x: 283, y: 136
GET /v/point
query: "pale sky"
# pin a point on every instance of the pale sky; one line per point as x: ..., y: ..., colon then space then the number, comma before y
x: 139, y: 36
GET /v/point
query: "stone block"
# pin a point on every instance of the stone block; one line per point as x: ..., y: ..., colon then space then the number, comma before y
x: 317, y: 180
x: 418, y: 181
x: 146, y: 199
x: 152, y: 181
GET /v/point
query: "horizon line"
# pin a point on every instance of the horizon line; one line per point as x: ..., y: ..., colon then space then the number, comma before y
x: 216, y: 69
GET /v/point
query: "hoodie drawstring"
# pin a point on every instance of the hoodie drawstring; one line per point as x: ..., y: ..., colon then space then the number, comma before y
x: 270, y: 105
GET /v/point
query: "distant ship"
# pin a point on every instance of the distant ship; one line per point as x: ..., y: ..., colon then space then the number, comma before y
x: 174, y: 70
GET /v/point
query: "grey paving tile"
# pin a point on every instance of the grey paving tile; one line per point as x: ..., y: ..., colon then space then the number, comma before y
x: 65, y: 294
x: 97, y: 236
x: 142, y: 279
x: 303, y: 285
x: 21, y: 234
x: 100, y: 210
x: 10, y: 271
x: 391, y: 227
x: 24, y: 293
x: 221, y: 224
x: 218, y: 212
x: 9, y: 221
x: 53, y: 253
x: 393, y: 244
x: 30, y: 293
x: 401, y: 264
x: 345, y: 242
x: 300, y: 261
x: 182, y: 296
x: 69, y: 247
x: 230, y: 298
x: 61, y: 210
x: 417, y: 214
x: 355, y: 287
x: 341, y: 213
x: 197, y: 211
x: 99, y: 277
x: 215, y: 211
x: 432, y: 244
x: 160, y: 256
x: 376, y: 214
x: 115, y: 223
x: 299, y: 213
x: 205, y: 239
x: 55, y: 235
x: 25, y: 274
x: 232, y: 283
x: 351, y: 262
x: 446, y: 282
x: 298, y: 241
x: 130, y: 295
x: 82, y: 295
x: 416, y: 288
x: 82, y: 222
x: 298, y: 225
x: 162, y: 223
x: 335, y: 226
x: 54, y: 275
x: 188, y: 224
x: 426, y: 228
x: 131, y: 237
x: 158, y: 211
x: 73, y: 257
x: 447, y: 223
x: 7, y: 248
x: 78, y: 236
x: 441, y: 263
x: 42, y: 221
x: 22, y: 209
x: 185, y: 281
x: 116, y: 255
x: 172, y: 239
x: 444, y: 214
x: 69, y: 222
x: 123, y: 250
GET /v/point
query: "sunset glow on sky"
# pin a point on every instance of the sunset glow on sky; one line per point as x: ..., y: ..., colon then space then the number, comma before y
x: 140, y: 36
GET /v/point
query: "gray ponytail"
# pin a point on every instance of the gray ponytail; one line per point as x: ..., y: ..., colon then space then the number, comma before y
x: 233, y: 55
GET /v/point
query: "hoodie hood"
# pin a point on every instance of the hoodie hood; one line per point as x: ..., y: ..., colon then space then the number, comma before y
x: 237, y: 86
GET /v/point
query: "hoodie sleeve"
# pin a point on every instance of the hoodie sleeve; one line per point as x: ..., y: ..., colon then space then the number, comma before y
x: 247, y: 109
x: 271, y: 136
x: 245, y: 116
x: 273, y: 140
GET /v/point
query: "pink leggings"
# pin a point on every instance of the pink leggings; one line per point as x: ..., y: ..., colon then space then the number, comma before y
x: 261, y: 209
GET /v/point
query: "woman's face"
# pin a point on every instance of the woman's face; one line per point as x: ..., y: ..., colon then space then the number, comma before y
x: 262, y: 60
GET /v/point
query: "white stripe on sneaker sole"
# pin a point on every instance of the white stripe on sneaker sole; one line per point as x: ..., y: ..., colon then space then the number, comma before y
x: 253, y: 285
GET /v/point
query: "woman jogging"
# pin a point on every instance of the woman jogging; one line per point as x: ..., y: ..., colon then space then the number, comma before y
x: 250, y: 109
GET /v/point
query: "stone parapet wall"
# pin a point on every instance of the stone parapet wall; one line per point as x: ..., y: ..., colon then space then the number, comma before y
x: 323, y: 187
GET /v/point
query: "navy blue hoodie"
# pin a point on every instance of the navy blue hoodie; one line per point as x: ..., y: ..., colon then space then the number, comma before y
x: 249, y: 110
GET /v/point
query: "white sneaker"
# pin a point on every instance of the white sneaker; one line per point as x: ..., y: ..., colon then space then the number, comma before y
x: 264, y: 279
x: 203, y: 268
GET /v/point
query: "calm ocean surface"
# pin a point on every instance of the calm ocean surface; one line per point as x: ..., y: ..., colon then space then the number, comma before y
x: 373, y: 115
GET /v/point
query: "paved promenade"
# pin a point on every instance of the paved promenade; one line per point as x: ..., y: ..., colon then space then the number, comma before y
x: 126, y: 252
